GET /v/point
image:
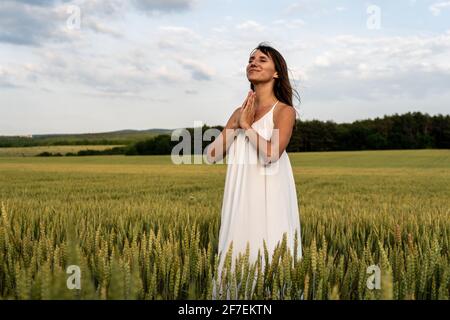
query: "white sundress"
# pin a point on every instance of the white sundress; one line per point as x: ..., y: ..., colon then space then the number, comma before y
x: 259, y: 201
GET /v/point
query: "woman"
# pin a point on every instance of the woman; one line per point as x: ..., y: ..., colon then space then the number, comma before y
x: 260, y: 199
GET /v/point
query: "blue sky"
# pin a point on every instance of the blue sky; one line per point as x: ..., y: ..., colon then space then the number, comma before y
x: 144, y: 64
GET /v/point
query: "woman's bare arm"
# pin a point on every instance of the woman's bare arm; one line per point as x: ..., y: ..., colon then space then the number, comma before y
x: 224, y: 139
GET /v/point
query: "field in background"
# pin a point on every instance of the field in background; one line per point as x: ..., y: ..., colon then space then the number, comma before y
x: 143, y: 228
x: 33, y: 151
x: 99, y: 138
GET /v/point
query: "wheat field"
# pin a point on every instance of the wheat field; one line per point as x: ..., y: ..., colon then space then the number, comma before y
x: 144, y: 228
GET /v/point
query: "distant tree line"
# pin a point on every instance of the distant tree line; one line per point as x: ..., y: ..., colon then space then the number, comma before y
x: 88, y: 152
x: 408, y: 131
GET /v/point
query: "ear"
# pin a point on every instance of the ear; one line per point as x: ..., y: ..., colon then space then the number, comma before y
x: 275, y: 75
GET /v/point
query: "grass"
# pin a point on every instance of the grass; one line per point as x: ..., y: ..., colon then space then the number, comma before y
x: 143, y: 228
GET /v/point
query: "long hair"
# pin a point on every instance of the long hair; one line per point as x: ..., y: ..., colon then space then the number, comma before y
x: 282, y: 87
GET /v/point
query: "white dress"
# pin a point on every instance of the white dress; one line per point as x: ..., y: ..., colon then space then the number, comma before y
x: 259, y: 201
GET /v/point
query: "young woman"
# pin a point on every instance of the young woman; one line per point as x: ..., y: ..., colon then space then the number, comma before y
x: 260, y: 199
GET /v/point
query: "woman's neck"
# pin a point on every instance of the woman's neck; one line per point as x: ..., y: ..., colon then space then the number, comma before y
x: 264, y: 95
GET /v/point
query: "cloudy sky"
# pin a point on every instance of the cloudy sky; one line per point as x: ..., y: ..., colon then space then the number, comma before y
x: 76, y: 66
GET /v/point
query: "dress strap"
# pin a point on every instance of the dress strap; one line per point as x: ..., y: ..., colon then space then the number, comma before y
x: 274, y: 106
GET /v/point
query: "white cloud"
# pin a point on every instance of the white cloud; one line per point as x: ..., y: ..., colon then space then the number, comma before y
x: 164, y: 5
x: 113, y: 7
x: 106, y: 8
x: 94, y: 74
x: 379, y: 68
x: 310, y: 7
x: 323, y: 60
x: 36, y: 22
x: 437, y: 7
x: 176, y: 38
x: 119, y: 53
x: 220, y: 29
x: 181, y: 32
x: 5, y: 79
x: 199, y: 70
x: 164, y: 74
x: 250, y: 25
x: 102, y: 28
x: 290, y: 24
x: 22, y: 23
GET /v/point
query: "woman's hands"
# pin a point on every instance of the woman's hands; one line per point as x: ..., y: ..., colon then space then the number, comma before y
x: 247, y: 114
x: 242, y: 117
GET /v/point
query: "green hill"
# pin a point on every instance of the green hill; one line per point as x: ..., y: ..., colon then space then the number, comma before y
x: 119, y: 137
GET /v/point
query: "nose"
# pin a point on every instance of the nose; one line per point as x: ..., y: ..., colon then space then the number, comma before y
x: 252, y: 65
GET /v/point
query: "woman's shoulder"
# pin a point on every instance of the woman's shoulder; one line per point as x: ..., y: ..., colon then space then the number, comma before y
x: 283, y: 109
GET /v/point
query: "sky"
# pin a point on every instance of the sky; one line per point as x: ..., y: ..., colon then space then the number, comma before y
x: 80, y: 66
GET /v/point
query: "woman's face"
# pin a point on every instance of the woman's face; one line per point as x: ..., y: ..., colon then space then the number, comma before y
x: 260, y: 68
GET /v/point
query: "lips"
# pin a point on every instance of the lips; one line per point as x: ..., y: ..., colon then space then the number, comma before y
x: 253, y: 70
